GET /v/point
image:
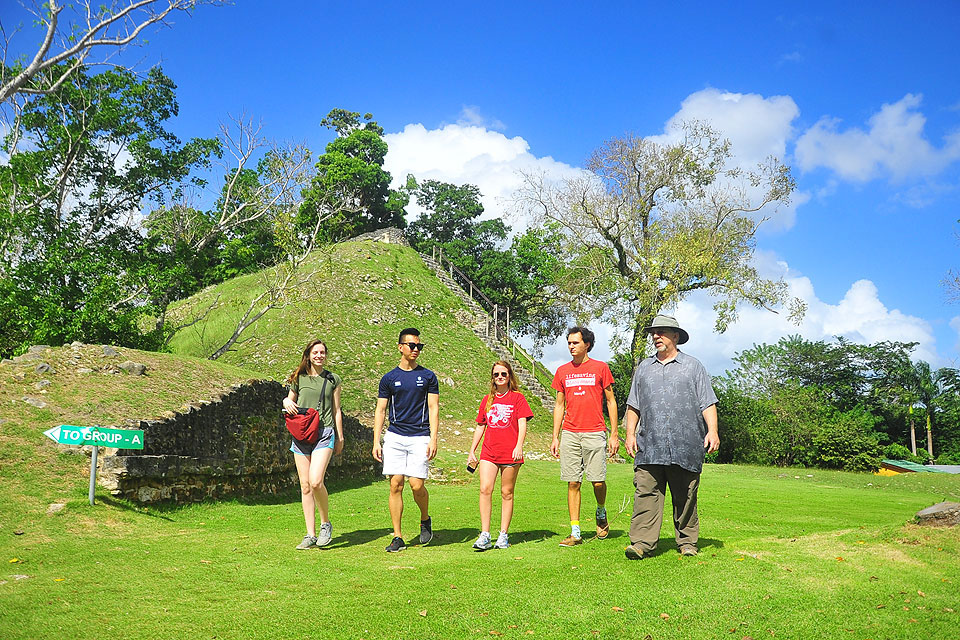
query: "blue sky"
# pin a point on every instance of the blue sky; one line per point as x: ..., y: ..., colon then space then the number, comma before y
x: 861, y: 99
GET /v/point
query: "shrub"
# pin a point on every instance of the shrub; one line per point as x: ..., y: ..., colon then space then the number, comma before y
x: 951, y: 457
x: 846, y: 441
x: 897, y: 451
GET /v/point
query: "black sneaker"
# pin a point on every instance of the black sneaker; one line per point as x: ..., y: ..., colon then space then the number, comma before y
x: 426, y: 530
x: 396, y: 544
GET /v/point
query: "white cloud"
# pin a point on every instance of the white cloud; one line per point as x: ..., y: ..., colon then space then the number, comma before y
x: 921, y: 196
x: 470, y: 116
x: 893, y: 145
x: 860, y: 316
x: 955, y: 325
x: 757, y: 128
x: 793, y: 56
x: 468, y: 154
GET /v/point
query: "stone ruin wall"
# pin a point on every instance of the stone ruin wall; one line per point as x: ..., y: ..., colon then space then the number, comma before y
x: 233, y: 445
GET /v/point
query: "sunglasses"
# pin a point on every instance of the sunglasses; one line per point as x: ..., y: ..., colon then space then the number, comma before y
x: 499, y: 374
x: 414, y: 346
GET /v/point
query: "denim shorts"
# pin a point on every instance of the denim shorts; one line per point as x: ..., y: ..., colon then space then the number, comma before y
x: 328, y: 436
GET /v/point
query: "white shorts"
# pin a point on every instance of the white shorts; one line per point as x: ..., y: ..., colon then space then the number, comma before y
x: 405, y: 455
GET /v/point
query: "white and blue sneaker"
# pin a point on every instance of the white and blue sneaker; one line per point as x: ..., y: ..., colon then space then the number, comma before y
x: 483, y: 542
x: 502, y: 541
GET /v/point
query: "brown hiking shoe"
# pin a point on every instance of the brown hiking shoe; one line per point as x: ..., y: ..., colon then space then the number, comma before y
x: 633, y: 552
x: 571, y: 541
x: 603, y: 530
x: 688, y: 550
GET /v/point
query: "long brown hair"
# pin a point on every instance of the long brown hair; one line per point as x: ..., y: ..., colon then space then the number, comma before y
x: 304, y: 365
x: 512, y: 383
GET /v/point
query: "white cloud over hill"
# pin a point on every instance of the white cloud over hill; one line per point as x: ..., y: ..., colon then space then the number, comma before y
x: 894, y: 145
x: 469, y: 154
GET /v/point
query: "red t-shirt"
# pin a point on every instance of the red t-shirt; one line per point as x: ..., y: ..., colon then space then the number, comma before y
x: 582, y: 386
x: 503, y: 429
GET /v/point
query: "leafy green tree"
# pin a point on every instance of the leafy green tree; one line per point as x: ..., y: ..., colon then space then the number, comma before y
x: 522, y: 279
x: 353, y: 163
x: 82, y: 162
x: 518, y: 277
x: 652, y: 222
x: 931, y: 390
x: 451, y: 221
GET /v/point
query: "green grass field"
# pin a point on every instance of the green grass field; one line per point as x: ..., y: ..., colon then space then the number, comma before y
x: 785, y: 553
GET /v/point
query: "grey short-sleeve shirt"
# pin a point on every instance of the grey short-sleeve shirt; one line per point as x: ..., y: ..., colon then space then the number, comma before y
x: 671, y: 398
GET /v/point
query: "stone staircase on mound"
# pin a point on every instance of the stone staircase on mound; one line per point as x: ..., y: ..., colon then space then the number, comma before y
x: 485, y: 327
x: 489, y: 328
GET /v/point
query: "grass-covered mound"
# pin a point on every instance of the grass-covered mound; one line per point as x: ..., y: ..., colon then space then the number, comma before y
x: 85, y: 387
x: 360, y: 296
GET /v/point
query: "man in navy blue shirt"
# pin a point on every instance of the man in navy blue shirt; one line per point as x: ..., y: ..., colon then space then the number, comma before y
x: 411, y: 396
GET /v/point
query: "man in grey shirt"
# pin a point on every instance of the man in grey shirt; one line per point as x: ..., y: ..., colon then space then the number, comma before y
x: 674, y: 405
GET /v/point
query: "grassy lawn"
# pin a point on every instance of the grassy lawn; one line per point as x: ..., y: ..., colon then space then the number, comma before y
x: 785, y: 554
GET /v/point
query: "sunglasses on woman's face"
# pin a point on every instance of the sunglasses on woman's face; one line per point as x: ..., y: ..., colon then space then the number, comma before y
x: 414, y: 346
x: 501, y: 374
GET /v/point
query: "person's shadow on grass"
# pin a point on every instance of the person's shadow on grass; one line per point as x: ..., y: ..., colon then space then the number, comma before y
x: 443, y: 537
x: 669, y: 545
x: 464, y: 535
x: 357, y: 537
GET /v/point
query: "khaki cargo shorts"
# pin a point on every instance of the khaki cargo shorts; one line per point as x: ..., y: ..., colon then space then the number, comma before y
x: 583, y: 455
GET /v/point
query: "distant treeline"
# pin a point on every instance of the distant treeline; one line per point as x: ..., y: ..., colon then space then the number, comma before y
x: 837, y: 405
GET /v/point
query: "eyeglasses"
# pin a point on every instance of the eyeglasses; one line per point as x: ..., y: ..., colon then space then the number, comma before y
x: 414, y: 346
x: 501, y: 374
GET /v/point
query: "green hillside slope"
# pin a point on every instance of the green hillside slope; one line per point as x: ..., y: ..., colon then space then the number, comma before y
x: 360, y: 296
x: 83, y: 386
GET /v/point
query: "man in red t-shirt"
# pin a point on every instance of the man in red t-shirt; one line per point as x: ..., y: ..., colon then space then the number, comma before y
x: 582, y: 385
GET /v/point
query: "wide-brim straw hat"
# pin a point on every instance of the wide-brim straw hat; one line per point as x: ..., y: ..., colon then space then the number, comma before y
x: 668, y: 322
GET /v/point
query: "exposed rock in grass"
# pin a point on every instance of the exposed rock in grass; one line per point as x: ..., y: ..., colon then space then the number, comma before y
x: 43, y: 367
x: 28, y: 357
x: 942, y: 514
x: 34, y: 402
x: 56, y: 507
x: 109, y: 352
x: 41, y: 384
x: 133, y: 368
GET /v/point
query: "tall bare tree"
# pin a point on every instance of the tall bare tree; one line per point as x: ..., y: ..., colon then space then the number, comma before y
x: 79, y: 34
x: 650, y: 222
x: 281, y: 283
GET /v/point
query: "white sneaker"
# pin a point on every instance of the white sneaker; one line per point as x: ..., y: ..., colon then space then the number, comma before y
x: 502, y: 542
x: 325, y: 535
x: 483, y: 542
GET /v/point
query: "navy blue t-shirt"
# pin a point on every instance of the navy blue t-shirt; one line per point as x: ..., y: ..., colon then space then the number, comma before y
x: 407, y: 392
